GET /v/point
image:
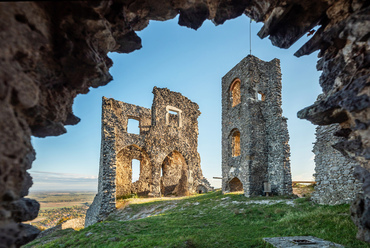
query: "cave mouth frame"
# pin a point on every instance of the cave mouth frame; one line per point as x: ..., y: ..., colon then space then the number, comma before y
x: 54, y: 125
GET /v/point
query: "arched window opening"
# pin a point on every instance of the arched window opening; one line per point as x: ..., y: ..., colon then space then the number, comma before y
x: 235, y: 92
x: 201, y: 189
x: 235, y: 143
x: 133, y: 126
x: 236, y: 185
x: 135, y: 165
x: 260, y: 96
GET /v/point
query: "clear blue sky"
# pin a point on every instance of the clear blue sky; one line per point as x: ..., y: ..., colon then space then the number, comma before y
x: 192, y: 63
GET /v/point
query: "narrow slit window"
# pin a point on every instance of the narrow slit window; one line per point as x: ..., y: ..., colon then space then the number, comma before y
x: 236, y: 144
x: 133, y: 126
x: 135, y: 165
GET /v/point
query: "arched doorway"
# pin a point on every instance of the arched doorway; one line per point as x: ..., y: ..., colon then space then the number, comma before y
x: 235, y: 185
x: 173, y: 175
x: 201, y: 189
x: 126, y: 182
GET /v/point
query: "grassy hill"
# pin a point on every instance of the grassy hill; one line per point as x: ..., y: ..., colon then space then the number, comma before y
x: 211, y: 220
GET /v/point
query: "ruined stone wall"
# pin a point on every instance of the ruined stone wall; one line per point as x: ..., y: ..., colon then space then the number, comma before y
x: 52, y: 51
x: 166, y: 136
x: 76, y: 224
x: 335, y: 182
x: 264, y: 150
x: 168, y: 142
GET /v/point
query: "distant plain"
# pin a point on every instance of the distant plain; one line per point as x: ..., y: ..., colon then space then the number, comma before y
x: 55, y: 206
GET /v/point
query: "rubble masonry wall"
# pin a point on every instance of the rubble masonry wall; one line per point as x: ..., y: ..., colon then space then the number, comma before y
x: 335, y: 182
x: 166, y: 148
x: 264, y: 148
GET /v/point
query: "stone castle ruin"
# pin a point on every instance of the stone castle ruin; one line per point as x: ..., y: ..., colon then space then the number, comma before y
x: 255, y: 137
x: 166, y: 148
x: 50, y: 53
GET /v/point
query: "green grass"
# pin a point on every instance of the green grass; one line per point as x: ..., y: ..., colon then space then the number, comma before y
x: 210, y: 220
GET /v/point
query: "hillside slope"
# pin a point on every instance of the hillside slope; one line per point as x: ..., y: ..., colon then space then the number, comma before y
x: 211, y: 220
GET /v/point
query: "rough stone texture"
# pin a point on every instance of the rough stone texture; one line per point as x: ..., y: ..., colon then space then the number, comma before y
x: 24, y: 209
x: 335, y: 182
x: 52, y: 51
x: 255, y: 136
x: 166, y: 148
x: 27, y: 234
x: 360, y: 208
x: 344, y: 43
x: 75, y: 224
x: 290, y: 242
x: 360, y: 215
x: 345, y: 82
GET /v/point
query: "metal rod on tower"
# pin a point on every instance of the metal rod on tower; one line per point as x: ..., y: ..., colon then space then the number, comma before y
x: 250, y: 37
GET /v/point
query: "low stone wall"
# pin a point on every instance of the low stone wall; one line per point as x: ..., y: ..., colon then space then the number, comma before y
x: 335, y: 183
x: 77, y: 223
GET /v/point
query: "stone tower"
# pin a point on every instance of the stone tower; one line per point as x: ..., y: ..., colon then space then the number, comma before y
x: 255, y: 137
